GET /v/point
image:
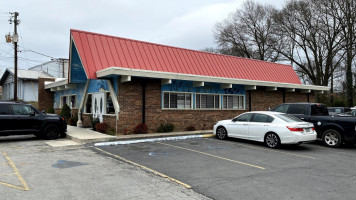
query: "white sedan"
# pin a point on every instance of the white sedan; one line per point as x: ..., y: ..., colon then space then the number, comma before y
x: 272, y: 128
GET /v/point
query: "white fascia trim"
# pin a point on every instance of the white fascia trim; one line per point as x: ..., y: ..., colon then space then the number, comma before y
x: 56, y: 84
x: 188, y: 77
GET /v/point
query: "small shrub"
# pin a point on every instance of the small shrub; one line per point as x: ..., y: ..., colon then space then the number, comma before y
x: 50, y: 110
x: 65, y: 112
x: 71, y: 122
x: 94, y: 122
x: 75, y: 117
x: 141, y: 129
x: 101, y: 127
x: 190, y: 128
x: 165, y: 128
x: 111, y: 131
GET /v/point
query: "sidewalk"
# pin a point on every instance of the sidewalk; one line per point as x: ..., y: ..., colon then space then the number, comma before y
x: 86, y: 135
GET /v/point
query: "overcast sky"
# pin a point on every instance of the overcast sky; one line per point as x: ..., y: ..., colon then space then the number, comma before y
x: 45, y: 25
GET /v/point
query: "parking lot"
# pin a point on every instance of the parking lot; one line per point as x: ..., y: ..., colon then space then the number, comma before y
x: 238, y: 169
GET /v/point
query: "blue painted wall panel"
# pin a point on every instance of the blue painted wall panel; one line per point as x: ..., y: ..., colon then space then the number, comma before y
x: 78, y: 91
x: 77, y: 73
x: 97, y: 85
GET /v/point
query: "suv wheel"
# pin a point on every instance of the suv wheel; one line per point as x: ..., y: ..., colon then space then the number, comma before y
x: 332, y: 138
x: 51, y: 132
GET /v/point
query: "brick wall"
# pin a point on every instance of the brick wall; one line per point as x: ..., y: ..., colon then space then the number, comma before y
x: 130, y: 102
x: 45, y: 97
x: 86, y: 120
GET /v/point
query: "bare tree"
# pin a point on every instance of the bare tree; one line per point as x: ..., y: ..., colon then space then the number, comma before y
x: 248, y: 32
x: 344, y: 12
x: 313, y: 38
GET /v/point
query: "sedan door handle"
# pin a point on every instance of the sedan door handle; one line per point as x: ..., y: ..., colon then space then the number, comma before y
x: 302, y: 118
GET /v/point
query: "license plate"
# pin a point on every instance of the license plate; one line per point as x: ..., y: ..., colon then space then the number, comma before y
x: 307, y: 130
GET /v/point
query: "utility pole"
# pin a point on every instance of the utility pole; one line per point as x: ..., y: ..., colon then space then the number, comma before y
x: 14, y: 40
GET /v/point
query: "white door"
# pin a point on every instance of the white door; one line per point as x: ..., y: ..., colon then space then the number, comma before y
x: 98, y: 103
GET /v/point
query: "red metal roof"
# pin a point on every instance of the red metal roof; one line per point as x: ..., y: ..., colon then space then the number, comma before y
x: 99, y: 52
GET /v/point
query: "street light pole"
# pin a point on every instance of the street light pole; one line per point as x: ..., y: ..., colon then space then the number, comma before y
x: 15, y: 40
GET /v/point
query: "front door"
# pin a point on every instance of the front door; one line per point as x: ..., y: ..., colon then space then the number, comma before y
x: 98, y: 103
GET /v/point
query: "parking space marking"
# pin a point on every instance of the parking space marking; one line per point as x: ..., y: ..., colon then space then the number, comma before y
x: 249, y: 146
x: 208, y: 154
x: 144, y: 168
x: 17, y: 173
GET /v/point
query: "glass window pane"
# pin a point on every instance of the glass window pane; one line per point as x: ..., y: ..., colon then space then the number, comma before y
x: 21, y: 109
x: 197, y: 101
x: 203, y: 101
x: 229, y: 102
x: 166, y: 100
x: 209, y: 101
x: 235, y: 102
x: 109, y: 104
x: 88, y: 105
x: 241, y: 102
x: 4, y: 109
x: 188, y: 98
x: 173, y: 100
x: 72, y: 101
x: 180, y: 100
x: 217, y: 101
x: 225, y: 102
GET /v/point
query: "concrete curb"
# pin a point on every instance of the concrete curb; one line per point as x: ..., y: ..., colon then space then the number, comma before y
x: 85, y: 135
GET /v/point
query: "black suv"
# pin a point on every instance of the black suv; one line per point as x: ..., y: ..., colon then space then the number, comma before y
x: 20, y: 119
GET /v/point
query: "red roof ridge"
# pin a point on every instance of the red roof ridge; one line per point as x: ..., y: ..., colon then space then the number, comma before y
x: 116, y: 37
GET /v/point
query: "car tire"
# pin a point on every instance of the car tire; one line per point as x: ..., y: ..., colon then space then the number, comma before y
x: 51, y: 132
x: 272, y: 140
x: 221, y: 133
x: 332, y: 138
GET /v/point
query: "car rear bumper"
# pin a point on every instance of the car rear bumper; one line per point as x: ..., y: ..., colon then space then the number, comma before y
x: 298, y: 137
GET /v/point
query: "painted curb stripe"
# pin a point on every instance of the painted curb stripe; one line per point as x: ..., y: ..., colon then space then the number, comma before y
x: 145, y: 168
x: 16, y: 171
x: 148, y: 140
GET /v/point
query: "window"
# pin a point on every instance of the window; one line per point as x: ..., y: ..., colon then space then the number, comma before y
x: 207, y: 101
x: 177, y: 100
x: 70, y: 100
x: 4, y: 109
x: 282, y: 108
x: 262, y: 118
x: 243, y: 118
x: 88, y: 106
x: 298, y: 109
x: 233, y: 102
x: 289, y: 118
x: 109, y: 104
x: 21, y: 109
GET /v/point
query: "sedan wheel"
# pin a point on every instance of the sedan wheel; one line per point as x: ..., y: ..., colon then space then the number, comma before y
x: 221, y: 133
x: 272, y: 140
x: 332, y: 138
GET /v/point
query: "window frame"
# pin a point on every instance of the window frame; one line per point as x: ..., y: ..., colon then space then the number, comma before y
x: 238, y: 95
x: 68, y: 100
x: 214, y: 94
x: 169, y: 100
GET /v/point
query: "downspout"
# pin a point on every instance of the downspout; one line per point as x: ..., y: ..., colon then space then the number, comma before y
x: 84, y: 98
x: 114, y: 101
x: 144, y: 102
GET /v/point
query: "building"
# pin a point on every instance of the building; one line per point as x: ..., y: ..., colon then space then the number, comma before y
x: 125, y: 82
x: 27, y: 84
x: 56, y: 68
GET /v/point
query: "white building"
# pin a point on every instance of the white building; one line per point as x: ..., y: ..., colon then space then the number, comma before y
x: 57, y: 68
x: 27, y: 84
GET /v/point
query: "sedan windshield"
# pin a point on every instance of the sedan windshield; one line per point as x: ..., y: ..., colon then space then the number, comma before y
x: 288, y: 118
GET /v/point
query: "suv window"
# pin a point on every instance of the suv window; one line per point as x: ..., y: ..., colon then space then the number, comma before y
x: 21, y: 109
x: 244, y: 117
x: 297, y: 109
x: 282, y: 108
x: 4, y: 109
x: 262, y: 118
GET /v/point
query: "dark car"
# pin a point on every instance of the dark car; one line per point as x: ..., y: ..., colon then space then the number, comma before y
x: 332, y: 130
x: 21, y: 119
